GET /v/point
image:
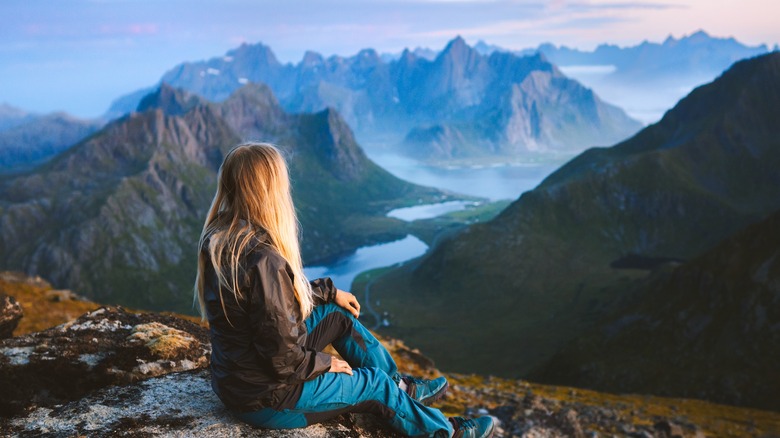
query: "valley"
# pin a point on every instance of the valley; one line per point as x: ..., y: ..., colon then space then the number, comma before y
x: 503, y: 297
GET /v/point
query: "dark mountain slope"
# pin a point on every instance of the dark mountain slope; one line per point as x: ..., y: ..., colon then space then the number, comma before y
x: 124, y: 209
x: 539, y: 274
x: 707, y: 329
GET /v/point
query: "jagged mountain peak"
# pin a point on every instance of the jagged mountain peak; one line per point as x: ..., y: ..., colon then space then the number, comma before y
x: 407, y: 57
x: 457, y: 43
x: 254, y: 111
x: 312, y: 59
x: 457, y: 49
x: 172, y: 101
x: 257, y: 51
x: 369, y: 55
x: 335, y: 144
x: 258, y: 93
x: 697, y: 38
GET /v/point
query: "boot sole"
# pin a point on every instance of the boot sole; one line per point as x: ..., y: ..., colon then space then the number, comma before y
x: 436, y: 396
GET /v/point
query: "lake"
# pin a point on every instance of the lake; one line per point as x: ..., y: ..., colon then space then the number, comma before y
x: 491, y: 182
x: 494, y: 182
x: 427, y: 211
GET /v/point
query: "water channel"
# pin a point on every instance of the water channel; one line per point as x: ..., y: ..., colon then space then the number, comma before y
x: 492, y: 182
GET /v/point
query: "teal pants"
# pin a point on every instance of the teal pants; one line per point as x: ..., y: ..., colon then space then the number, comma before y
x: 372, y: 387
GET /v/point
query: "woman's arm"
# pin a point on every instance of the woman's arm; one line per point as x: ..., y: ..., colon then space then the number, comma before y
x: 324, y: 292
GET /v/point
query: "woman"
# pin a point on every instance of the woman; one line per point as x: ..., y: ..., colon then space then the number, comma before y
x: 268, y: 324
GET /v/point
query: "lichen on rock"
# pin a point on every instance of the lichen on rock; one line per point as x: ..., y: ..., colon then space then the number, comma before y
x: 96, y: 350
x: 163, y: 341
x: 10, y: 314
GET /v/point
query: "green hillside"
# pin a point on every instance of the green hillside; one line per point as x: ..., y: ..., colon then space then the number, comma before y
x: 709, y: 328
x: 124, y: 208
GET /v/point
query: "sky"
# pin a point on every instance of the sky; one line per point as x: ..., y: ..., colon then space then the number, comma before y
x: 79, y: 55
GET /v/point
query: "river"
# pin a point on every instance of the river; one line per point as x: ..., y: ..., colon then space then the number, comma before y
x: 344, y: 271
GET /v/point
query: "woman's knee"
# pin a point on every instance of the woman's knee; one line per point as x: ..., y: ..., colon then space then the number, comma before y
x: 325, y: 311
x: 378, y: 385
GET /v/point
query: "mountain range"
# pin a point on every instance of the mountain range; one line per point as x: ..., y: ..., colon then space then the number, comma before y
x: 574, y: 252
x: 123, y: 209
x: 698, y: 56
x: 27, y: 140
x: 11, y: 116
x: 649, y: 78
x: 459, y: 105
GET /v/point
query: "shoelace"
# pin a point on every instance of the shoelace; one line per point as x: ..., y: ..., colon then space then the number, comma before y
x: 464, y: 423
x: 414, y: 380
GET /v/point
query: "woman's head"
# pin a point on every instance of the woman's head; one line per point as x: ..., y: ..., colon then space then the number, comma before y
x: 254, y: 185
x: 253, y: 197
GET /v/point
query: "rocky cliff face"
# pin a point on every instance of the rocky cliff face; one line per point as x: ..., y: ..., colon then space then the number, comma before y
x: 541, y: 273
x: 500, y: 105
x: 118, y: 216
x: 507, y: 105
x: 120, y: 209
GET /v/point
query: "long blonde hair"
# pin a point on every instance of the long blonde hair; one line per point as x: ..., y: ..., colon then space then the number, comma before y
x: 253, y: 198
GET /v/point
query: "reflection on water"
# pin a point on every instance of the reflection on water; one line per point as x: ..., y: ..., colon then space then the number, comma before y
x: 427, y: 211
x: 344, y: 271
x: 495, y: 182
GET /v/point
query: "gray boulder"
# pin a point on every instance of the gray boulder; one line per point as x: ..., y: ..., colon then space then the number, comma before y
x: 106, y: 347
x: 175, y: 405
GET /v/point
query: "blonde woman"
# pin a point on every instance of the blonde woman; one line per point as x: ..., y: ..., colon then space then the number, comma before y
x: 269, y: 325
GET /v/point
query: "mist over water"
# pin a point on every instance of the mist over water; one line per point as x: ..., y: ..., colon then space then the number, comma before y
x: 494, y: 182
x: 646, y: 104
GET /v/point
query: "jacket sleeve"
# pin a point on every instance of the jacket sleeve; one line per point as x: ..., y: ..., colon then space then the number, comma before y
x: 276, y: 317
x: 323, y: 290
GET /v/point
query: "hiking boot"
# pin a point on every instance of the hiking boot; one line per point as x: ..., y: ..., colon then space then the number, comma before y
x: 481, y: 427
x: 423, y: 390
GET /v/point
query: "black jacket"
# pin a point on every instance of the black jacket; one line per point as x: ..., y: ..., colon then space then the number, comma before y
x: 261, y: 359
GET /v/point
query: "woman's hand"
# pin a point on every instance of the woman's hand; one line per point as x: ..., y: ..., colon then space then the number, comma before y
x: 348, y: 301
x: 339, y: 366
